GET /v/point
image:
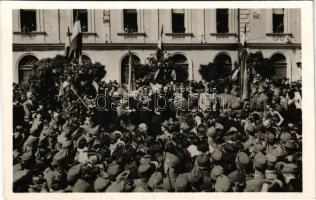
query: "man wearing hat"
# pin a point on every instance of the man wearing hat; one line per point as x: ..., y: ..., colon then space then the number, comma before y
x: 203, y: 163
x: 255, y: 184
x: 290, y: 179
x: 145, y: 171
x: 222, y: 184
x: 237, y: 177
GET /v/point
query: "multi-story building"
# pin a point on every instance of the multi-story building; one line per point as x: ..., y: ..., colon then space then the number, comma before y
x: 193, y: 37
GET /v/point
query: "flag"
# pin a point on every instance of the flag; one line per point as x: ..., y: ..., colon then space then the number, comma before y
x: 174, y: 75
x: 235, y: 74
x: 130, y: 66
x: 156, y: 74
x: 243, y: 36
x: 244, y: 77
x: 160, y: 39
x: 95, y: 85
x: 76, y: 41
x: 62, y: 88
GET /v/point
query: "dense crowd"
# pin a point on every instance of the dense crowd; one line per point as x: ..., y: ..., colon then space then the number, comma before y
x: 188, y: 137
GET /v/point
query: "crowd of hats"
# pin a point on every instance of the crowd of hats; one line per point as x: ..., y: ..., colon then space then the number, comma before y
x: 243, y: 148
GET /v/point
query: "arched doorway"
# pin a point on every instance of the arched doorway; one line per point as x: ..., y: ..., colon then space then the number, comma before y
x: 125, y: 68
x: 223, y: 65
x: 279, y: 64
x: 181, y: 67
x: 25, y: 67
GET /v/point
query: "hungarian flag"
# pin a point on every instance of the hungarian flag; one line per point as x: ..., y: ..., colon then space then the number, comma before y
x: 235, y: 74
x: 75, y: 50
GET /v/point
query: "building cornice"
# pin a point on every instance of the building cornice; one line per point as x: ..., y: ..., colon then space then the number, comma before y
x: 152, y: 46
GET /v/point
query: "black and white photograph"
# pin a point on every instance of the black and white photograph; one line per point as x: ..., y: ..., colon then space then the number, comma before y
x: 157, y: 100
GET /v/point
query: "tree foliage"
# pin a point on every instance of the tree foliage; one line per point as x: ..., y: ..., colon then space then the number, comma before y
x: 261, y: 65
x: 47, y: 74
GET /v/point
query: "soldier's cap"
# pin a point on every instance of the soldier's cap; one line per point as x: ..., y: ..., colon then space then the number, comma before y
x: 21, y: 175
x: 145, y: 170
x: 203, y: 161
x: 27, y: 156
x: 250, y: 128
x: 242, y: 160
x: 155, y: 180
x: 222, y: 184
x: 271, y: 137
x: 101, y: 183
x: 289, y: 168
x: 113, y: 170
x: 228, y: 147
x: 219, y: 126
x: 182, y: 183
x: 271, y: 174
x: 81, y: 186
x: 278, y: 151
x: 232, y: 129
x: 217, y: 155
x: 59, y: 157
x: 195, y: 175
x: 172, y: 160
x: 258, y: 148
x: 73, y: 173
x: 260, y: 161
x: 285, y: 137
x: 271, y: 159
x: 216, y: 171
x: 211, y: 131
x: 290, y: 144
x: 236, y: 176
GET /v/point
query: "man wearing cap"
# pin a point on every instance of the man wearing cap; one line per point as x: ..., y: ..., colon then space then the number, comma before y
x: 145, y: 171
x: 255, y: 184
x: 290, y: 179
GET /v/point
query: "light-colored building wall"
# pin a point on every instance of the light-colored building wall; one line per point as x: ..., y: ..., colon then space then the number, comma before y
x: 106, y: 42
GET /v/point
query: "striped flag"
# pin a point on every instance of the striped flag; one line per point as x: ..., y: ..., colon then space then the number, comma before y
x: 62, y: 88
x: 235, y: 74
x: 76, y: 41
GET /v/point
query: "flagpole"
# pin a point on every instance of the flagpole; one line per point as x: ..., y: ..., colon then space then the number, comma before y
x: 129, y: 72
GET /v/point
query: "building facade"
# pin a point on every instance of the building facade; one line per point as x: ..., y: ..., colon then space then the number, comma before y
x: 193, y: 37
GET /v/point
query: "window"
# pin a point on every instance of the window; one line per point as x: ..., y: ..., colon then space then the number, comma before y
x: 279, y: 66
x: 178, y: 21
x: 278, y: 20
x: 25, y: 67
x: 181, y: 67
x: 81, y: 15
x: 130, y: 20
x: 222, y: 21
x: 223, y: 64
x: 125, y: 68
x: 28, y: 20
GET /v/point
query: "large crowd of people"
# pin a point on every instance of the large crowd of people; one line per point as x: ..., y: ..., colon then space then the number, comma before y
x: 178, y: 137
